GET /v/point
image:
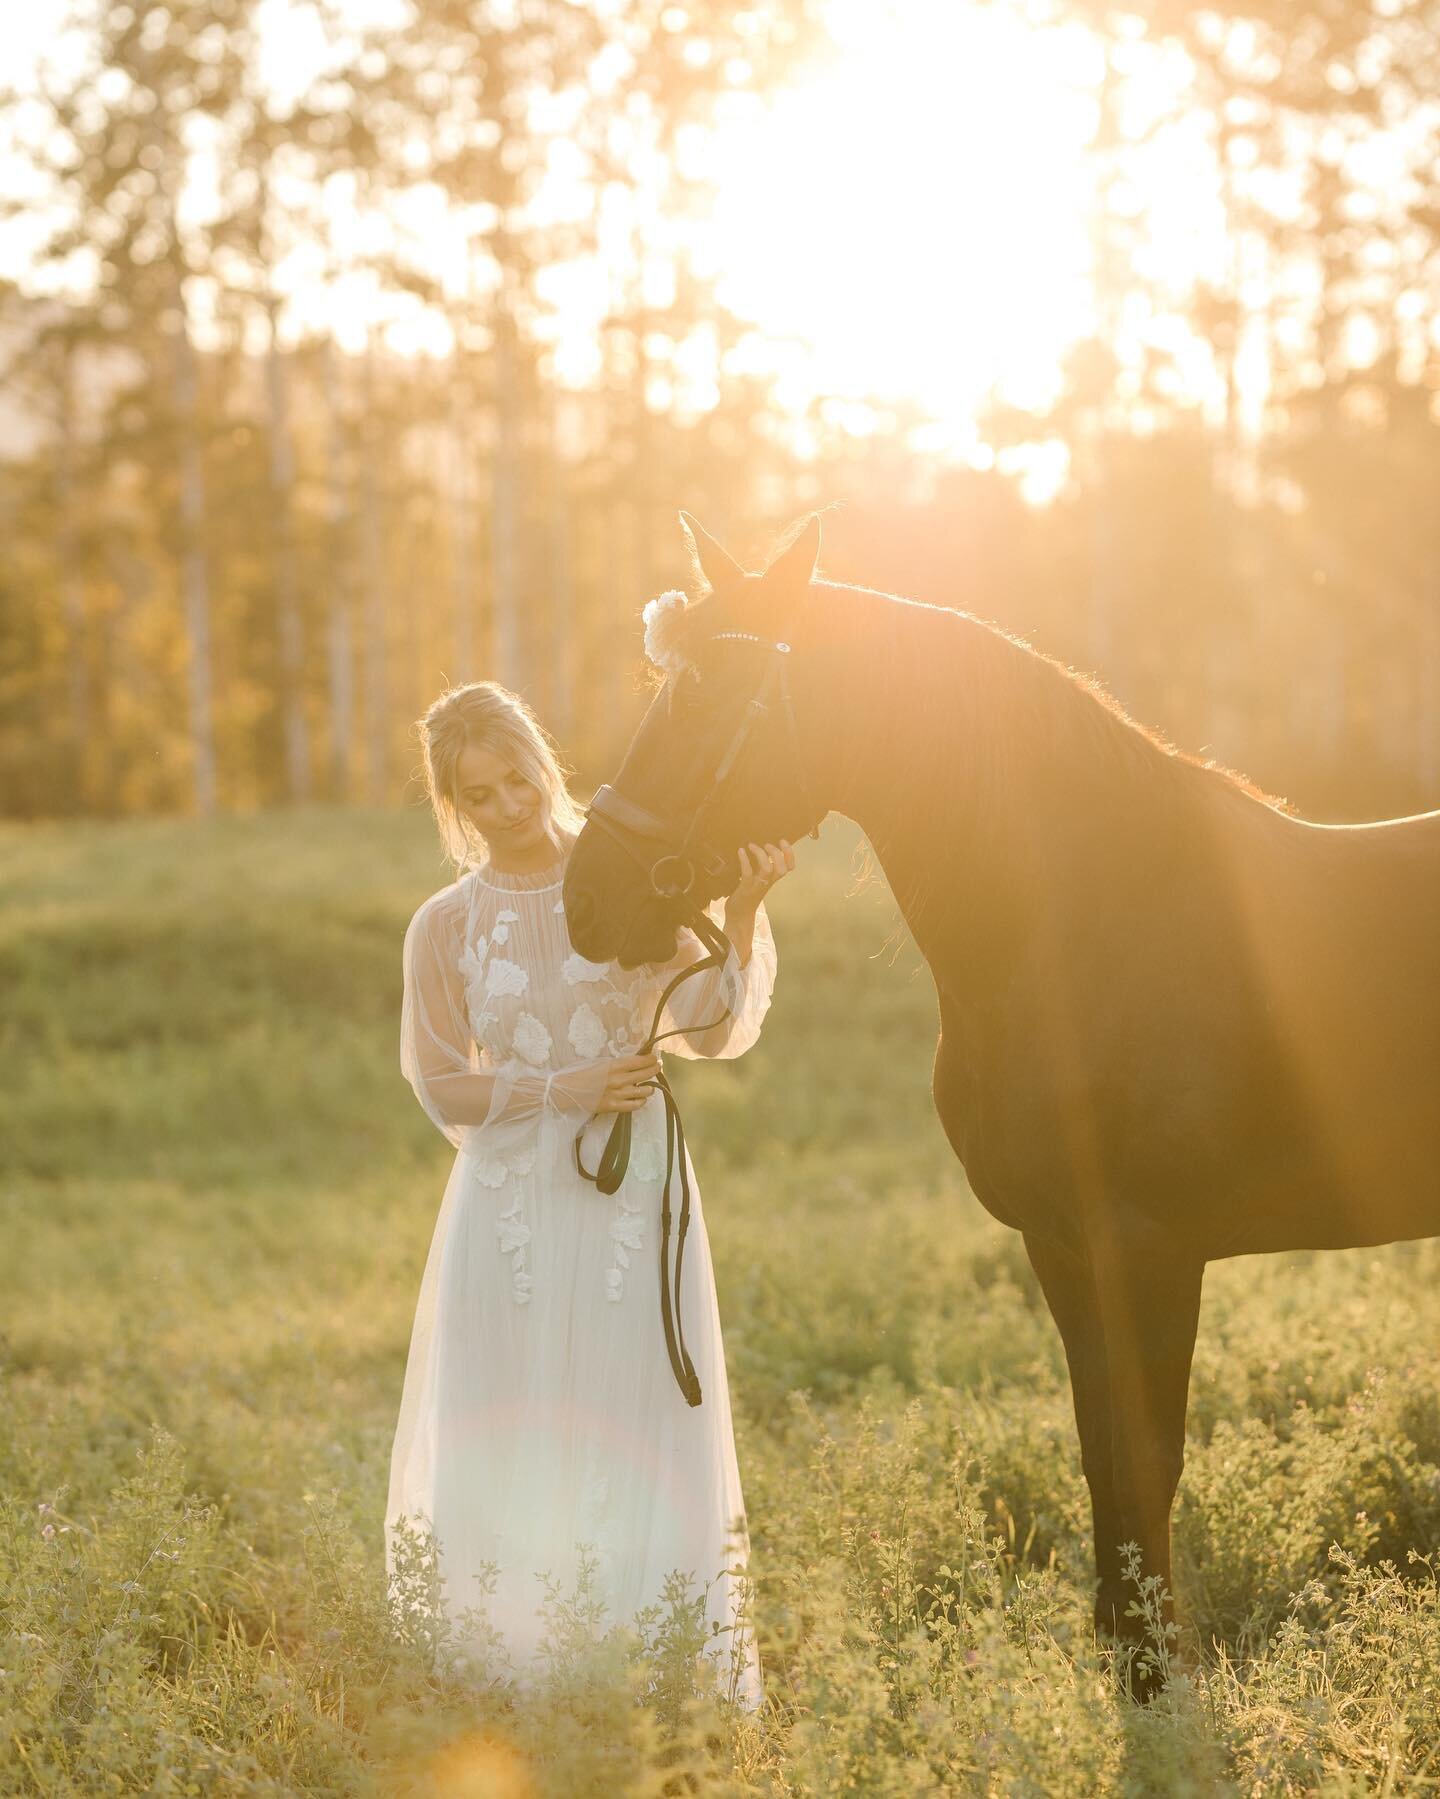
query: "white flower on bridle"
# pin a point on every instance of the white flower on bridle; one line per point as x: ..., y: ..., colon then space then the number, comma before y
x: 661, y: 617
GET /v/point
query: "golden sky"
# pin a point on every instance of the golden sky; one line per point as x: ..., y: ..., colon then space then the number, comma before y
x: 913, y: 222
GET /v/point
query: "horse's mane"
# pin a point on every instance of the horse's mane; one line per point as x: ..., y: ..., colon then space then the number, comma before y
x: 928, y: 654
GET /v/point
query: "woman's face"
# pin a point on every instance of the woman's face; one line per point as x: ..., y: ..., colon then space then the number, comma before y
x: 502, y: 805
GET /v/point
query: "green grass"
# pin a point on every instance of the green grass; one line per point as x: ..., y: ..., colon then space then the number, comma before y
x: 217, y: 1196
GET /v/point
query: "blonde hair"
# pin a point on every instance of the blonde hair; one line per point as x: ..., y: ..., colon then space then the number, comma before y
x: 490, y: 717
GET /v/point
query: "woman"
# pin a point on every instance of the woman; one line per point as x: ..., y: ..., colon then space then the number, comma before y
x: 542, y: 1435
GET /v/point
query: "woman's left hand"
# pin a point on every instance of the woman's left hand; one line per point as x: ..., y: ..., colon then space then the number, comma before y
x: 761, y: 866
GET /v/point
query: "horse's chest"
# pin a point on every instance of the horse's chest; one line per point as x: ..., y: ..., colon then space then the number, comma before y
x: 998, y: 1113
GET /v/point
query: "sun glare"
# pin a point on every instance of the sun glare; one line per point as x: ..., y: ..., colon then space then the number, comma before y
x: 909, y: 226
x: 916, y: 215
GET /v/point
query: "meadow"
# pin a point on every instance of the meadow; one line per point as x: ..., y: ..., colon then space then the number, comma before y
x: 217, y: 1196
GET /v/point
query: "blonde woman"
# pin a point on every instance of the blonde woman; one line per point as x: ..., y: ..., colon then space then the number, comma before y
x: 542, y: 1436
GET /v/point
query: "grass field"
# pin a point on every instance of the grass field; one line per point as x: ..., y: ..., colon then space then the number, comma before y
x: 217, y: 1197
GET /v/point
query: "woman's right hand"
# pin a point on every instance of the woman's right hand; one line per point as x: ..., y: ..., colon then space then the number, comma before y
x: 625, y: 1078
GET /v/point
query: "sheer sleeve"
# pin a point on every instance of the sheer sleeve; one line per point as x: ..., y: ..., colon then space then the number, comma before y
x: 441, y: 1060
x: 746, y: 991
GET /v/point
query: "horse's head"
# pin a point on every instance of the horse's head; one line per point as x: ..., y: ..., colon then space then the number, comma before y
x: 717, y: 760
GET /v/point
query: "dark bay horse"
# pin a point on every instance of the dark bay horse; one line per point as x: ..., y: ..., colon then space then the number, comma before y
x: 1177, y: 1022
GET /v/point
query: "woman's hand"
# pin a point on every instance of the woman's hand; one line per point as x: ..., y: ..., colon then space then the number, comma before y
x: 625, y: 1078
x: 761, y: 866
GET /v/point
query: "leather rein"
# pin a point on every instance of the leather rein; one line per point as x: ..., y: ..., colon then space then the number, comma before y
x: 671, y: 874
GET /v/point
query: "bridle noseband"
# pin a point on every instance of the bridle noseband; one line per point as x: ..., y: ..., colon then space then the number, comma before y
x: 671, y: 872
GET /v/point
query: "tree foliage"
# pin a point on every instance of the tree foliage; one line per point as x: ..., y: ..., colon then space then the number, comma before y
x: 281, y: 471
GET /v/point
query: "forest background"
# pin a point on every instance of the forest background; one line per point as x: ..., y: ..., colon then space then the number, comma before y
x: 348, y: 349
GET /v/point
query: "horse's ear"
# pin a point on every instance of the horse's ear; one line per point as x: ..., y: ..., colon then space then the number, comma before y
x: 714, y: 565
x: 794, y: 568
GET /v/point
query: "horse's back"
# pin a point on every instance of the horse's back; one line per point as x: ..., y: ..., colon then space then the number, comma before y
x: 1339, y: 928
x: 1415, y: 827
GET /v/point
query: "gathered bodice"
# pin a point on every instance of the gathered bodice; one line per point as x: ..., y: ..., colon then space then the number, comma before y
x: 530, y: 998
x: 503, y: 1020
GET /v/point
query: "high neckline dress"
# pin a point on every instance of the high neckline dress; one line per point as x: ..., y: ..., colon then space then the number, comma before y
x: 542, y: 1437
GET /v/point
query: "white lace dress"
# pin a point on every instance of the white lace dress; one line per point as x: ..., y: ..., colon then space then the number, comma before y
x: 541, y: 1430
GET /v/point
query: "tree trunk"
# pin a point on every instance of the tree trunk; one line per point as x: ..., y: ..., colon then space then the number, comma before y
x: 1094, y: 425
x: 289, y: 624
x: 372, y: 550
x: 1429, y: 708
x: 194, y: 571
x: 340, y: 583
x: 461, y: 491
x: 505, y: 573
x: 559, y: 578
x: 72, y: 590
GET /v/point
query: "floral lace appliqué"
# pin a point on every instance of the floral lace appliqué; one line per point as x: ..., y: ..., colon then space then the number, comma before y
x: 512, y: 1232
x: 647, y: 1163
x: 513, y: 1235
x: 626, y: 1237
x: 587, y: 1034
x: 495, y: 1168
x: 505, y: 977
x: 531, y: 1039
x: 627, y: 1227
x: 472, y: 965
x: 576, y: 969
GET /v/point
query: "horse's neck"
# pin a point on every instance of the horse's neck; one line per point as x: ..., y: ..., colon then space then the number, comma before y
x: 964, y: 757
x: 887, y: 738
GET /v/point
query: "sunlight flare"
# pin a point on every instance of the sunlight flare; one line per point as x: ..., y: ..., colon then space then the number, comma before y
x: 915, y: 214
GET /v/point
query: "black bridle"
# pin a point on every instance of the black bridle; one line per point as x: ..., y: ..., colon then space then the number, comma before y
x: 641, y: 834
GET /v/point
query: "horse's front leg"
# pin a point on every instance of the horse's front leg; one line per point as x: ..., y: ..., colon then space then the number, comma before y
x: 1069, y: 1289
x: 1148, y: 1290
